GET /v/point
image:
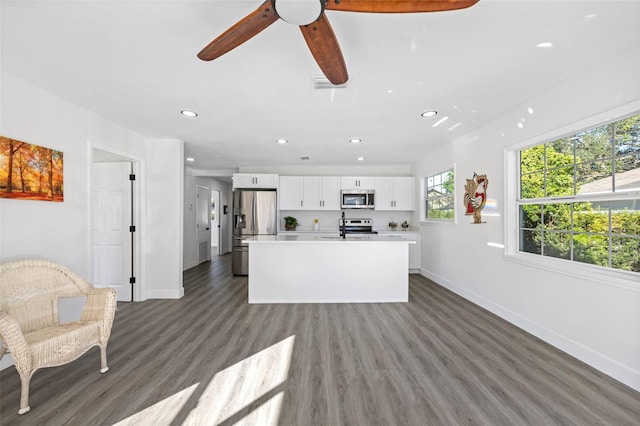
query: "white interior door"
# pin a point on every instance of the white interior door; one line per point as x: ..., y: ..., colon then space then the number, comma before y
x: 110, y: 220
x: 215, y: 222
x: 203, y: 224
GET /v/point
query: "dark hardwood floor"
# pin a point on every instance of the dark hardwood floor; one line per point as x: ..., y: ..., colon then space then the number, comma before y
x: 210, y: 358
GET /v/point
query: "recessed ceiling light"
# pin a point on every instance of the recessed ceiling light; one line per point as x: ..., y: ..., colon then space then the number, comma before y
x: 281, y: 141
x: 355, y: 140
x: 427, y: 114
x: 188, y: 113
x: 191, y: 159
x: 360, y: 158
x: 545, y: 44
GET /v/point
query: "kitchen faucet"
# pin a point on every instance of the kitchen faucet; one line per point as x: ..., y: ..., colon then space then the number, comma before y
x: 343, y: 229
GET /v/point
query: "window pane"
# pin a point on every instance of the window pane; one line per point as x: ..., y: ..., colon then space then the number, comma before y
x: 532, y: 185
x: 625, y: 253
x: 559, y: 182
x: 531, y: 241
x: 532, y: 159
x: 447, y: 183
x: 531, y: 216
x: 559, y: 150
x: 439, y: 190
x: 440, y: 208
x: 594, y: 143
x: 591, y: 217
x: 625, y: 217
x: 557, y: 244
x: 628, y: 173
x: 628, y: 135
x: 429, y: 182
x: 594, y: 177
x: 591, y: 165
x: 593, y: 249
x: 557, y: 217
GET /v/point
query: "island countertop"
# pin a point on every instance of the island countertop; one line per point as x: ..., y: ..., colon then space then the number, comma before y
x: 311, y: 268
x: 307, y: 238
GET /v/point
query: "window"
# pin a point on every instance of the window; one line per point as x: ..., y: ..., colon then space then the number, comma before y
x: 579, y: 197
x: 439, y: 196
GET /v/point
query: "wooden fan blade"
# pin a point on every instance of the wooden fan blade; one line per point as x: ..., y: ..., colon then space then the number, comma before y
x: 398, y: 6
x: 242, y: 31
x: 325, y: 49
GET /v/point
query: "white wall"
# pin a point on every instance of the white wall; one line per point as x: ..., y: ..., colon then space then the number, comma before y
x: 61, y: 231
x: 190, y: 216
x: 597, y: 321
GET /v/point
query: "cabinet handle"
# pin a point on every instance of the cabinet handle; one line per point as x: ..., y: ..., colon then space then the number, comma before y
x: 301, y: 203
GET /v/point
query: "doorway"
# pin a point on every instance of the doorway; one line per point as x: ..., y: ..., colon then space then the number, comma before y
x: 113, y: 220
x: 203, y: 223
x: 215, y: 223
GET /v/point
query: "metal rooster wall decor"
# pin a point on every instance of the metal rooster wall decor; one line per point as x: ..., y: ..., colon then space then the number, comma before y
x: 475, y: 196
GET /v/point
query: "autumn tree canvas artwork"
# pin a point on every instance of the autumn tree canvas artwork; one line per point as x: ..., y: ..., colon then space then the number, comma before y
x: 30, y: 172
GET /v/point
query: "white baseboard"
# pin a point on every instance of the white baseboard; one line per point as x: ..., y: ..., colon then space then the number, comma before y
x: 603, y: 363
x: 166, y: 294
x: 190, y: 265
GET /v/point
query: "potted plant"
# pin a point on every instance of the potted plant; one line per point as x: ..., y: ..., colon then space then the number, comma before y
x: 290, y: 223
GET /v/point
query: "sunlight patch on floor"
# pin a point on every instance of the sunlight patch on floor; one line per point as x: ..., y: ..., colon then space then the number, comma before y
x: 253, y: 380
x: 162, y: 412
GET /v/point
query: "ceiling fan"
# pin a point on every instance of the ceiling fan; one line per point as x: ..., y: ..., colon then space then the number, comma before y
x: 315, y: 27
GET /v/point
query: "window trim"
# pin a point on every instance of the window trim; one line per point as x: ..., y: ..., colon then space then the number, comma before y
x: 606, y: 275
x: 423, y: 186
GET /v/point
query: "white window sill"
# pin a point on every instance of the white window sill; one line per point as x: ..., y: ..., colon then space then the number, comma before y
x: 617, y: 278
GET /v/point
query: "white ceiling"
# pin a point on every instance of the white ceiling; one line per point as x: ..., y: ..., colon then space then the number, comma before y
x: 134, y: 62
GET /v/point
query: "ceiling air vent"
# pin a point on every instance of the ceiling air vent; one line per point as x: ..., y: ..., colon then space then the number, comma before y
x: 321, y: 82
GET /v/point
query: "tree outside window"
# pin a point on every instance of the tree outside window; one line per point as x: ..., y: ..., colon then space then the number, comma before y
x: 439, y: 197
x: 580, y: 197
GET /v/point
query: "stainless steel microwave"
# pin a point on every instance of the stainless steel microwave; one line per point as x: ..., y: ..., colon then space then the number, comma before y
x: 357, y: 199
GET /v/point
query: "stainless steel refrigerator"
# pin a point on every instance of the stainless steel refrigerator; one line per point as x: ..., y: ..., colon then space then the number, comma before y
x: 254, y: 213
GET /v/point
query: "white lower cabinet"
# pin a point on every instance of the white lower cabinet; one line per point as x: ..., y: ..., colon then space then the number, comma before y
x: 414, y: 249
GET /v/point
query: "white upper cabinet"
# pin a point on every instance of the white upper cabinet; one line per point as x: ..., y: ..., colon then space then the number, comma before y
x: 291, y: 193
x: 395, y: 193
x: 255, y: 180
x: 309, y: 193
x: 357, y: 182
x: 321, y: 193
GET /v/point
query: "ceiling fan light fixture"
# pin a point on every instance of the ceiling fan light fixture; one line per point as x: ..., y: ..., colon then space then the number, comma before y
x: 299, y: 12
x: 188, y: 113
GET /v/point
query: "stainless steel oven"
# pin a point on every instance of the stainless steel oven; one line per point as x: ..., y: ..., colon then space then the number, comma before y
x: 357, y: 199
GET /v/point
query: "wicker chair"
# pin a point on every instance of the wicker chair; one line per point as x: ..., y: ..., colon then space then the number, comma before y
x: 30, y: 291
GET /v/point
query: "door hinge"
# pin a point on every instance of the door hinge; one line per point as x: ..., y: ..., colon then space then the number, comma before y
x: 132, y: 280
x: 132, y: 228
x: 132, y: 177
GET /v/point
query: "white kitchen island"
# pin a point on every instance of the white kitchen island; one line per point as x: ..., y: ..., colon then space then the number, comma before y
x: 328, y: 269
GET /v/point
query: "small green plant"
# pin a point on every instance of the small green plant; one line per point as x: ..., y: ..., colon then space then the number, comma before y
x: 290, y: 223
